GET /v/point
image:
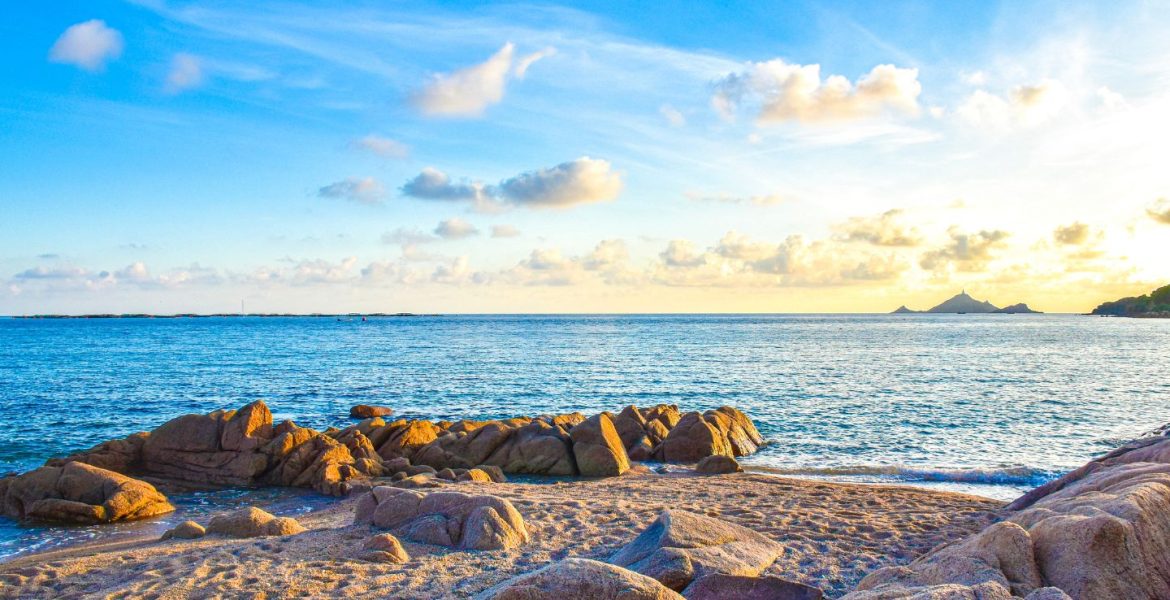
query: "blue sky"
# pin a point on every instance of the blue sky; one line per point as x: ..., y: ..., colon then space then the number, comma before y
x: 601, y: 157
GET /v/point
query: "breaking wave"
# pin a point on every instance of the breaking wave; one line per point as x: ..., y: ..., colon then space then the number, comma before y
x: 1014, y: 476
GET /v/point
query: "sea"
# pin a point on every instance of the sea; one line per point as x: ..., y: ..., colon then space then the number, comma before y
x: 984, y: 404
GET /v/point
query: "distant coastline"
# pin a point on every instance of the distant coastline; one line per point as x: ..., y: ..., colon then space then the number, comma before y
x: 1154, y: 305
x: 221, y: 315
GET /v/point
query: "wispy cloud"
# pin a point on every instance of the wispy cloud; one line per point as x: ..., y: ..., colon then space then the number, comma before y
x: 468, y: 92
x: 363, y: 190
x: 505, y: 231
x: 382, y: 146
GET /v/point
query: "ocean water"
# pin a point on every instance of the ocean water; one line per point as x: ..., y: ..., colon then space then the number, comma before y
x: 987, y: 404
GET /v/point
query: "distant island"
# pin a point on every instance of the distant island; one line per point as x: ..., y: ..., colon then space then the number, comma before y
x: 1154, y: 305
x: 963, y: 303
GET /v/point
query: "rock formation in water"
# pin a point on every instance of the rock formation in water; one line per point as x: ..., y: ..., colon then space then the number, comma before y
x: 1100, y: 531
x: 244, y: 448
x: 79, y: 493
x: 963, y: 303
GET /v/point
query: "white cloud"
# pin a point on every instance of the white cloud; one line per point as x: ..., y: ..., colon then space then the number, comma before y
x: 1024, y: 105
x: 469, y: 91
x: 680, y: 253
x: 455, y: 229
x: 382, y: 146
x: 790, y: 92
x: 1160, y: 211
x: 1071, y: 235
x: 505, y: 231
x: 433, y: 184
x: 364, y: 190
x: 608, y: 253
x: 186, y: 73
x: 1111, y: 100
x: 581, y: 181
x: 672, y: 115
x: 968, y: 252
x: 885, y: 229
x: 89, y: 45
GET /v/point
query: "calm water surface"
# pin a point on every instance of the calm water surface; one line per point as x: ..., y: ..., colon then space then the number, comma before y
x: 991, y: 404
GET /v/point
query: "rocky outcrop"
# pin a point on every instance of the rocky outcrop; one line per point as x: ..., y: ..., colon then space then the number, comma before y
x: 252, y: 522
x: 239, y: 448
x: 79, y: 493
x: 470, y: 522
x: 681, y: 547
x: 1099, y: 532
x: 724, y: 432
x: 244, y: 448
x: 366, y: 411
x: 597, y: 448
x: 580, y: 579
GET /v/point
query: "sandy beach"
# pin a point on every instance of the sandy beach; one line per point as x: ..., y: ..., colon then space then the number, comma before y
x: 833, y: 533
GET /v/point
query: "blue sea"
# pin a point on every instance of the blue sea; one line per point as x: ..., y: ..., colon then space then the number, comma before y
x: 985, y: 404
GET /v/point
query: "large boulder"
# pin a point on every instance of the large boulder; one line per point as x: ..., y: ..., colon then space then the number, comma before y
x: 366, y: 411
x: 384, y: 548
x: 541, y: 447
x: 306, y: 458
x: 724, y: 432
x: 191, y: 447
x: 580, y: 579
x: 718, y: 465
x: 187, y: 530
x: 402, y: 438
x: 471, y: 522
x: 597, y: 448
x: 79, y: 493
x: 1100, y: 532
x: 465, y: 447
x: 718, y: 586
x: 252, y: 522
x: 680, y: 547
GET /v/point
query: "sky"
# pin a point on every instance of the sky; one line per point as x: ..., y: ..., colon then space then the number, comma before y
x: 474, y: 157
